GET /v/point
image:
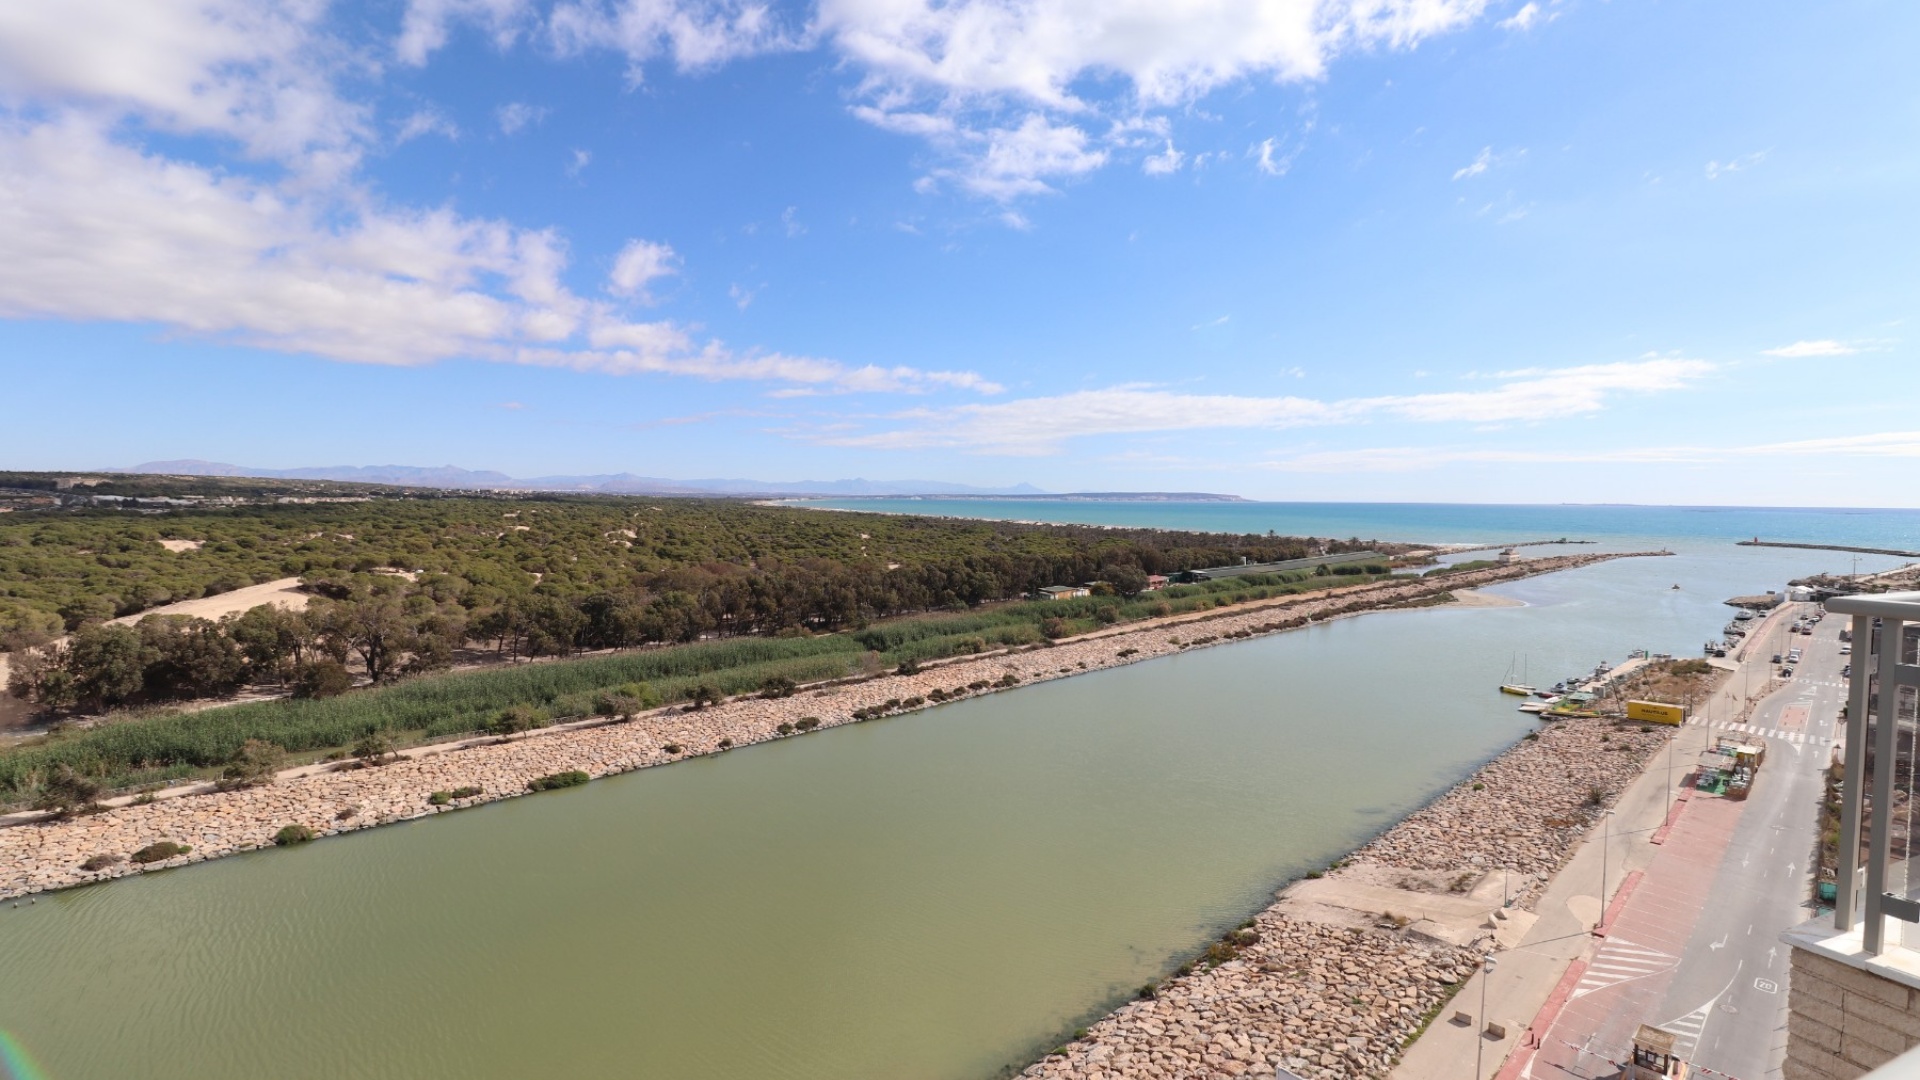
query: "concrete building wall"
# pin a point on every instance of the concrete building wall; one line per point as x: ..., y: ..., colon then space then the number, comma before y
x: 1845, y: 1022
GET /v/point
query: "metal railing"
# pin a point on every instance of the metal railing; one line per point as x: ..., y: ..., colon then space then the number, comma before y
x: 1879, y: 810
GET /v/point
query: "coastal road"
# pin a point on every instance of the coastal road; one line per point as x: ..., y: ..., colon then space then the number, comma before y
x: 1728, y: 998
x: 1695, y: 947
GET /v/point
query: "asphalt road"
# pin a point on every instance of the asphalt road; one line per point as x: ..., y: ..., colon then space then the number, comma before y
x: 1728, y: 997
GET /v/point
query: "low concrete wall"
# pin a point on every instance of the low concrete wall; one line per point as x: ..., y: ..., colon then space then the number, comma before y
x: 1845, y: 1020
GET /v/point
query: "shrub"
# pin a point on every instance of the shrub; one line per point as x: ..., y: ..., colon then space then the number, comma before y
x: 374, y: 748
x: 807, y: 723
x: 704, y: 695
x: 913, y: 702
x: 570, y: 778
x: 165, y: 849
x: 466, y: 792
x: 440, y: 798
x: 726, y: 744
x: 1146, y: 992
x: 67, y: 792
x: 784, y: 728
x: 1055, y: 628
x: 292, y: 834
x: 255, y: 763
x: 97, y: 863
x: 779, y: 686
x: 907, y: 667
x: 673, y: 748
x: 516, y: 719
x: 321, y: 679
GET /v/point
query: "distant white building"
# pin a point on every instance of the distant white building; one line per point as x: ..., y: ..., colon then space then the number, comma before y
x: 1509, y: 557
x: 1065, y: 592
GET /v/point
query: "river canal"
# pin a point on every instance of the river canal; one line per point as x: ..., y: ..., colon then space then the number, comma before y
x: 932, y: 897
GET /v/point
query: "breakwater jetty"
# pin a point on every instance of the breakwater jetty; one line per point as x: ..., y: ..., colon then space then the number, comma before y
x: 1895, y: 552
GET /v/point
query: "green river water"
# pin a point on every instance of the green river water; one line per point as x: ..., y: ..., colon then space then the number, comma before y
x: 938, y: 896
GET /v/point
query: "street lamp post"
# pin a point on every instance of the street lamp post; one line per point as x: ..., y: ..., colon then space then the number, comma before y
x: 1606, y: 851
x: 1480, y: 1037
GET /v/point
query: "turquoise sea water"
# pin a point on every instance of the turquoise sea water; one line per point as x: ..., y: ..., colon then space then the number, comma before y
x: 1445, y: 523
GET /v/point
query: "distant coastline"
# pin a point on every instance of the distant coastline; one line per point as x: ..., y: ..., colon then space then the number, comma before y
x: 1071, y: 496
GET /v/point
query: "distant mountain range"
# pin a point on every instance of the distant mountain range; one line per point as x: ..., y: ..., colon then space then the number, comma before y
x: 451, y: 476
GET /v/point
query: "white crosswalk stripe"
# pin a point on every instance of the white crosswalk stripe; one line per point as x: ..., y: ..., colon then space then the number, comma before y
x: 1622, y: 961
x: 1689, y: 1027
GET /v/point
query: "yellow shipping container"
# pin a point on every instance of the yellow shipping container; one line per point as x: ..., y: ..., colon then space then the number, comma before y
x: 1653, y: 712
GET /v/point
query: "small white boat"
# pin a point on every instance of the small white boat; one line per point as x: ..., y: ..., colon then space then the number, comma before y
x: 1516, y: 689
x: 1534, y: 707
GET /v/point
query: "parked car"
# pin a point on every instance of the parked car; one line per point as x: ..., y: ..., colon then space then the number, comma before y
x: 1847, y: 672
x: 1786, y: 673
x: 1846, y: 650
x: 1776, y: 659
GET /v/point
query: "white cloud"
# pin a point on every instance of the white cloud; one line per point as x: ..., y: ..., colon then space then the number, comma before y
x: 694, y: 34
x: 257, y: 73
x: 1801, y: 349
x: 640, y: 263
x: 1718, y: 169
x: 426, y: 122
x: 1525, y: 18
x: 100, y: 231
x: 1017, y: 161
x: 1481, y: 162
x: 790, y: 220
x: 740, y: 295
x: 1265, y: 159
x: 306, y: 258
x: 1040, y: 425
x: 516, y: 115
x: 579, y: 162
x: 949, y: 67
x: 1896, y: 444
x: 423, y: 28
x: 1165, y: 162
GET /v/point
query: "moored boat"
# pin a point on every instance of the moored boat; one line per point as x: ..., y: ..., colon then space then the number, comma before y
x: 1516, y: 689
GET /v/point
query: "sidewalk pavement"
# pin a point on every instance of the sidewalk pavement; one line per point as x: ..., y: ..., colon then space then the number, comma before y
x: 1536, y: 971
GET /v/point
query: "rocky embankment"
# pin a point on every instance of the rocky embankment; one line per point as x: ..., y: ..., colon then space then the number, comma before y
x: 50, y: 855
x: 1330, y: 1001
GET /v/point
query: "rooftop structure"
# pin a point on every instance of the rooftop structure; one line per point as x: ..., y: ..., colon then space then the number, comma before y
x: 1855, y: 990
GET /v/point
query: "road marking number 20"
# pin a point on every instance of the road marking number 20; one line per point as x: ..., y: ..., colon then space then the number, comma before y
x: 1766, y: 986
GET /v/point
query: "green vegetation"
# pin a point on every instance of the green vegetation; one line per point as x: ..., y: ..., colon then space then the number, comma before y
x: 292, y: 834
x: 720, y: 597
x: 158, y: 852
x: 570, y: 778
x: 1463, y: 567
x: 662, y: 569
x: 255, y: 763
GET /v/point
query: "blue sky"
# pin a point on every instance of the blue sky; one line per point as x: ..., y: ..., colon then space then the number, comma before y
x: 1351, y: 249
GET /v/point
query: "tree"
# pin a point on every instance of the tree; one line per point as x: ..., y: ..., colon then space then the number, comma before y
x: 254, y: 764
x: 322, y: 678
x: 108, y: 664
x: 41, y: 675
x: 1127, y: 580
x: 274, y: 641
x: 88, y: 610
x: 188, y: 657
